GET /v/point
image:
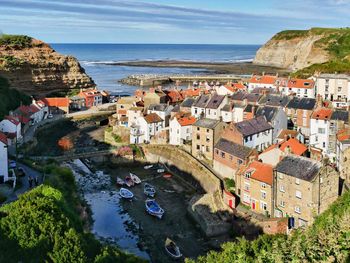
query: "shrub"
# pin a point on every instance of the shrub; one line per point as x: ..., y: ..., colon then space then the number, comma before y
x: 17, y: 41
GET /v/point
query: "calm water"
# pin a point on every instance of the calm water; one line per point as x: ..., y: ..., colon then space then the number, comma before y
x: 107, y: 76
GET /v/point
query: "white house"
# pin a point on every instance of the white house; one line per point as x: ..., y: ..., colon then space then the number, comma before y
x: 301, y: 88
x: 266, y: 82
x: 133, y: 113
x: 163, y: 110
x: 229, y: 88
x: 181, y: 129
x: 3, y: 158
x: 145, y: 128
x: 320, y: 129
x: 198, y: 107
x: 333, y: 87
x: 10, y: 125
x: 214, y: 106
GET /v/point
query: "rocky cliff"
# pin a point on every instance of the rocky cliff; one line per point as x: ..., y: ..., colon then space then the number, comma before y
x: 297, y: 49
x: 33, y: 67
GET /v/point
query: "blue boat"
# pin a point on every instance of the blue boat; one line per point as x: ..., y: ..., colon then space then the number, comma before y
x: 153, y: 208
x: 125, y: 193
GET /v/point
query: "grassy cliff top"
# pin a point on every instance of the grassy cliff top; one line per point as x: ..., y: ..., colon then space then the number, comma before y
x: 19, y: 41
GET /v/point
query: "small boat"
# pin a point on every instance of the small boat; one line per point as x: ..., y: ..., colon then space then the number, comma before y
x: 153, y: 208
x: 160, y: 171
x: 149, y: 190
x: 125, y: 193
x: 172, y: 249
x: 129, y: 182
x: 120, y: 181
x: 148, y: 166
x: 135, y: 178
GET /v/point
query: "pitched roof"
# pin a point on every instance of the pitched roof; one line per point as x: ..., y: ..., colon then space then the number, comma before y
x: 253, y: 126
x: 289, y: 133
x: 12, y: 120
x: 322, y: 114
x: 206, y: 123
x: 215, y: 101
x: 302, y: 103
x: 274, y: 100
x: 343, y: 135
x: 268, y: 112
x: 299, y: 167
x: 3, y: 138
x: 250, y: 97
x: 262, y: 172
x: 186, y: 121
x: 292, y: 144
x: 234, y: 87
x: 174, y: 95
x: 153, y: 118
x: 188, y: 102
x: 301, y: 83
x: 28, y: 110
x: 191, y: 92
x: 56, y: 102
x: 266, y: 79
x: 227, y: 107
x: 202, y: 101
x: 158, y: 107
x: 340, y: 115
x: 232, y: 148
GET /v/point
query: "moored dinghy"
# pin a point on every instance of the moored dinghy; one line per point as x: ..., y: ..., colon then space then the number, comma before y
x: 153, y: 208
x: 125, y: 193
x: 149, y: 190
x: 129, y: 182
x: 148, y: 166
x: 120, y: 181
x: 172, y: 249
x: 135, y: 178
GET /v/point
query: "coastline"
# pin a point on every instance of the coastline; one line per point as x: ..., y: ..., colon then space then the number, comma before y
x: 241, y: 68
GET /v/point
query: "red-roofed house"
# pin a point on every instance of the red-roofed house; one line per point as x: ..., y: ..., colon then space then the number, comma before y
x: 56, y: 104
x: 181, y: 129
x: 230, y: 88
x: 302, y: 88
x: 320, y: 129
x: 255, y: 187
x: 146, y: 128
x: 92, y: 97
x: 173, y: 96
x: 194, y: 92
x: 265, y: 82
x: 278, y: 151
x: 3, y: 158
x: 11, y: 125
x: 30, y: 114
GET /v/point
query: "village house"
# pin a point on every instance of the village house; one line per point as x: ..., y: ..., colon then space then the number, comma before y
x: 3, y: 158
x: 230, y: 157
x: 278, y: 151
x: 57, y: 105
x: 254, y: 185
x: 174, y: 96
x: 229, y: 88
x: 249, y: 112
x: 299, y: 111
x: 301, y: 88
x: 145, y: 128
x: 93, y: 97
x: 334, y: 87
x: 181, y: 129
x: 198, y: 107
x: 274, y: 100
x: 133, y: 113
x: 287, y: 134
x: 255, y: 133
x: 30, y: 114
x: 339, y: 120
x: 304, y: 189
x: 342, y: 144
x: 205, y: 134
x: 77, y: 103
x: 214, y: 106
x: 122, y: 106
x: 246, y: 98
x: 186, y: 105
x: 163, y: 110
x: 154, y: 96
x: 192, y: 92
x: 276, y: 117
x: 320, y: 129
x: 265, y: 81
x: 11, y: 127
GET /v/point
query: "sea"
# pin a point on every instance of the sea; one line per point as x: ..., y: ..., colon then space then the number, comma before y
x: 93, y: 57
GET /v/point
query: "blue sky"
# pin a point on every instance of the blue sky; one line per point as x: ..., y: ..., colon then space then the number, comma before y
x: 161, y: 21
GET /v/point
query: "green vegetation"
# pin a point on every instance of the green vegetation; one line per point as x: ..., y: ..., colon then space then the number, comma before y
x: 10, y: 62
x: 327, y: 240
x: 338, y: 66
x: 44, y: 226
x: 10, y: 98
x: 230, y: 184
x: 117, y: 138
x: 15, y: 41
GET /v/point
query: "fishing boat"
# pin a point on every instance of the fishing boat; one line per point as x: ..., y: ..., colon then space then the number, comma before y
x: 129, y: 182
x: 148, y: 166
x: 149, y: 190
x: 172, y: 249
x: 125, y: 193
x: 153, y: 208
x: 160, y: 171
x: 135, y: 178
x: 120, y: 181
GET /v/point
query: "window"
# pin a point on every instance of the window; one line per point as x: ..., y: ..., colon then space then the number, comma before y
x: 282, y: 203
x: 263, y: 185
x: 231, y: 157
x: 282, y: 189
x: 297, y: 181
x: 263, y: 194
x: 216, y: 151
x: 178, y: 131
x: 198, y: 136
x: 316, y: 138
x: 197, y: 128
x: 207, y: 139
x: 222, y: 154
x: 298, y: 194
x: 321, y: 130
x: 339, y: 89
x: 207, y: 148
x: 208, y: 130
x: 195, y: 111
x: 324, y: 144
x: 263, y: 206
x: 247, y: 175
x: 198, y: 147
x: 297, y: 209
x: 246, y: 199
x: 246, y: 139
x: 239, y: 161
x: 246, y: 186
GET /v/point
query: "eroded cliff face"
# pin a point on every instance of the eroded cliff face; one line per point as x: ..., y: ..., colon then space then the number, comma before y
x: 39, y: 70
x: 293, y: 54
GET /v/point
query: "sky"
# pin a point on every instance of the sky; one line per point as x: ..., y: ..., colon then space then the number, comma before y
x: 161, y: 21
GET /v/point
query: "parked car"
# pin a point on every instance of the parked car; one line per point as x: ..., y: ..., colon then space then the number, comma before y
x: 13, y: 164
x: 21, y: 172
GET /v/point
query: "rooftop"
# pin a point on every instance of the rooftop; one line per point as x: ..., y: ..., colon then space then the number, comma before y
x: 340, y: 115
x: 159, y: 107
x: 292, y: 144
x: 274, y: 100
x: 266, y: 79
x: 301, y: 83
x: 262, y: 172
x: 187, y: 103
x: 153, y: 118
x: 206, y: 123
x: 268, y: 112
x: 56, y: 102
x: 302, y: 103
x: 186, y: 121
x: 253, y: 126
x: 232, y: 148
x: 299, y: 167
x: 288, y: 133
x: 322, y: 114
x: 215, y: 101
x: 202, y: 101
x: 334, y: 76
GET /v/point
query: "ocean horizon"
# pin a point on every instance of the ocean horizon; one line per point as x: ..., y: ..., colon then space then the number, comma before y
x: 94, y: 56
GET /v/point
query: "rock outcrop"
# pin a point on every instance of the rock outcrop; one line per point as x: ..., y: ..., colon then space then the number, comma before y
x: 37, y: 69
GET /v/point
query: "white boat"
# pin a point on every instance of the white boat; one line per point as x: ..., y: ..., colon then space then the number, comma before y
x: 120, y: 181
x: 172, y: 249
x: 153, y: 208
x: 148, y: 166
x: 125, y: 193
x: 129, y: 182
x: 135, y: 178
x: 160, y: 171
x: 149, y: 190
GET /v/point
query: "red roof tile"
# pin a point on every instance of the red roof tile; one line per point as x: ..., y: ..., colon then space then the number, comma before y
x: 266, y: 79
x: 262, y: 172
x: 186, y: 121
x: 3, y: 138
x: 13, y: 120
x: 294, y: 145
x: 322, y: 114
x: 153, y: 118
x: 56, y: 102
x: 301, y: 83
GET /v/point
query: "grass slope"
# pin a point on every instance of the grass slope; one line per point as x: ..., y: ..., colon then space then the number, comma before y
x: 327, y: 240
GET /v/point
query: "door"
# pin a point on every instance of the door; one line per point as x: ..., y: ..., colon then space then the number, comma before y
x: 230, y: 203
x: 253, y: 204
